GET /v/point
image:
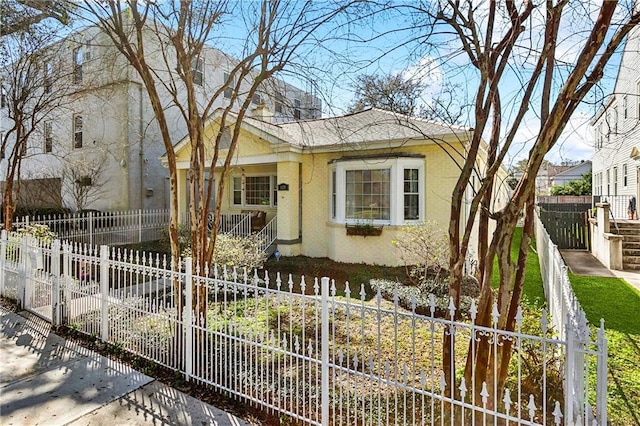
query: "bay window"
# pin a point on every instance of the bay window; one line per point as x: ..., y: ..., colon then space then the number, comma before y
x: 383, y: 191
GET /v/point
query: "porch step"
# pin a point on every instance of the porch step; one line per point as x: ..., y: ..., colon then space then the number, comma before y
x: 630, y: 251
x: 626, y: 231
x: 631, y: 238
x: 631, y: 266
x: 631, y: 259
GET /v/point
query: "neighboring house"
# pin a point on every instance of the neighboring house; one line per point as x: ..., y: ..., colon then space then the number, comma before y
x: 105, y: 140
x: 368, y: 168
x: 616, y: 130
x: 572, y: 173
x: 545, y: 176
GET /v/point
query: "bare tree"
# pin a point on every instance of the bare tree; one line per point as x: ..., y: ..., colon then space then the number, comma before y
x: 498, y: 42
x: 33, y: 87
x: 164, y: 43
x: 23, y: 15
x: 84, y: 180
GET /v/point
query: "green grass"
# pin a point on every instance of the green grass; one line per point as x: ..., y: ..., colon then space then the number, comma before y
x: 614, y: 300
x: 532, y: 292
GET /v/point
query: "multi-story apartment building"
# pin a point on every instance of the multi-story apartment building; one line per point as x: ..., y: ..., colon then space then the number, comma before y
x: 103, y: 141
x: 616, y: 130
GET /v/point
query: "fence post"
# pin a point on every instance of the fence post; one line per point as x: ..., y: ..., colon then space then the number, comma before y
x: 601, y: 396
x: 90, y: 228
x: 104, y: 293
x: 55, y: 282
x: 324, y: 362
x: 3, y: 259
x: 66, y: 273
x: 569, y: 373
x: 140, y: 225
x: 188, y: 317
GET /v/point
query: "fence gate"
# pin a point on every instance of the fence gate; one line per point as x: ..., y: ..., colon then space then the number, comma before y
x: 567, y: 229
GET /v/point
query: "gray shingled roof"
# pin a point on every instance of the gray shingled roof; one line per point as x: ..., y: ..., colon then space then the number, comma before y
x: 372, y: 125
x: 368, y: 126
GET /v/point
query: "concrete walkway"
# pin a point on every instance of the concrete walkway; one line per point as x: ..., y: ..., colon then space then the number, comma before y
x: 584, y: 263
x: 47, y: 380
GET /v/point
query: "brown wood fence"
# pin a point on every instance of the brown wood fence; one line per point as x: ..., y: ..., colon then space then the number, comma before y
x: 567, y: 229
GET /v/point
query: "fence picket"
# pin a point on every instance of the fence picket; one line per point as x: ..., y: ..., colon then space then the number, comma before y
x: 319, y: 358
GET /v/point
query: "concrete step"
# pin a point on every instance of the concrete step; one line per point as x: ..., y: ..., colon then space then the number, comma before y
x: 630, y: 244
x: 630, y: 252
x: 626, y: 231
x: 631, y: 239
x: 630, y: 266
x: 631, y: 260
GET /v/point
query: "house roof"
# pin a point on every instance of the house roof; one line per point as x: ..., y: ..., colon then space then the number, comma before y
x: 572, y: 170
x: 371, y: 125
x: 359, y: 128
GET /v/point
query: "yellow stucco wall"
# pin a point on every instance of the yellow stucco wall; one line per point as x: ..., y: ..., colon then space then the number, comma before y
x: 321, y: 237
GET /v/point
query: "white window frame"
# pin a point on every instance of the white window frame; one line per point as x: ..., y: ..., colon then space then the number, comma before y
x: 273, y: 187
x: 228, y: 90
x: 78, y: 61
x: 48, y: 137
x: 77, y: 131
x: 625, y: 175
x: 197, y: 71
x: 337, y: 213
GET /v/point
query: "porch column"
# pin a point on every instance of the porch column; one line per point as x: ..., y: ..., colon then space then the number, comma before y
x: 289, y: 240
x: 183, y: 207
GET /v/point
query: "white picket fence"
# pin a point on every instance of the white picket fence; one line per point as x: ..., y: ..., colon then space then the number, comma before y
x: 308, y: 350
x: 565, y: 311
x: 110, y: 228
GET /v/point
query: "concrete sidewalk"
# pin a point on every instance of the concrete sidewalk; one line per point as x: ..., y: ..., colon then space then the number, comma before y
x: 47, y: 380
x: 582, y: 262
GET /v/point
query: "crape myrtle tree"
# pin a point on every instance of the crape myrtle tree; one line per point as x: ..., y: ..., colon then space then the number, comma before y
x: 35, y: 83
x: 514, y: 50
x: 25, y: 15
x: 161, y: 41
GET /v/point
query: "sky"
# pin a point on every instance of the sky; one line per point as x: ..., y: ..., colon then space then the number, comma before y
x: 394, y: 50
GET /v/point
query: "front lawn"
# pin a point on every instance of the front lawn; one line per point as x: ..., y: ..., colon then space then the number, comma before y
x: 614, y: 300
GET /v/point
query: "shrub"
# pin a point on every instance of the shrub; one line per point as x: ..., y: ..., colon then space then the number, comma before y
x: 239, y: 252
x: 41, y: 233
x: 424, y: 250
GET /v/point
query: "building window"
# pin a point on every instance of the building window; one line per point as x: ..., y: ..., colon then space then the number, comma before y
x: 256, y: 99
x: 297, y: 111
x: 48, y: 71
x: 2, y: 145
x: 411, y: 194
x: 625, y: 177
x: 333, y: 194
x: 48, y: 137
x: 229, y: 84
x: 615, y: 120
x: 197, y: 67
x: 3, y: 99
x: 389, y: 191
x: 615, y: 181
x: 625, y: 108
x: 368, y: 194
x: 608, y: 182
x: 279, y: 103
x: 78, y: 59
x: 77, y: 131
x: 257, y: 190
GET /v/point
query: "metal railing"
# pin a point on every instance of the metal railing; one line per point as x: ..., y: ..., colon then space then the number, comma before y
x: 299, y: 348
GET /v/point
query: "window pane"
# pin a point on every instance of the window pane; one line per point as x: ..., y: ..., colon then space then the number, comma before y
x: 368, y: 194
x: 411, y: 195
x: 237, y: 191
x: 257, y: 190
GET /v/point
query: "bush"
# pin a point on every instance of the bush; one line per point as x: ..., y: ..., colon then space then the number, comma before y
x: 39, y: 232
x: 239, y: 252
x: 424, y: 250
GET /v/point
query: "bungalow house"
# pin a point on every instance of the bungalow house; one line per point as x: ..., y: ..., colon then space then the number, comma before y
x: 317, y: 177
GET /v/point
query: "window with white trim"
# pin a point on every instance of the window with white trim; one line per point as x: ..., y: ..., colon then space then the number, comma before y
x: 229, y: 85
x: 379, y: 191
x: 615, y: 181
x: 625, y: 108
x: 625, y: 175
x: 254, y: 190
x: 78, y: 59
x: 77, y: 131
x: 197, y: 71
x: 48, y: 136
